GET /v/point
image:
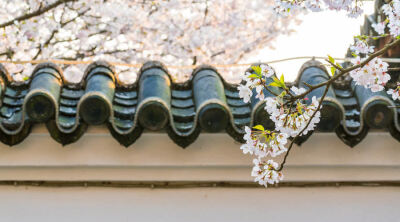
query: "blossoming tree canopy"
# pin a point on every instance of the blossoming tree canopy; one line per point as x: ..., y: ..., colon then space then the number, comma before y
x: 291, y: 109
x: 175, y: 32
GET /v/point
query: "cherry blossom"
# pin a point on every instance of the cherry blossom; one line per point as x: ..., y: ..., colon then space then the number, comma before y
x: 245, y: 93
x: 373, y: 75
x: 379, y: 27
x: 352, y: 8
x: 265, y: 172
x: 392, y: 11
x: 297, y: 91
x: 264, y: 143
x: 361, y: 47
x: 293, y: 120
x: 174, y: 32
x: 395, y: 92
x: 255, y: 81
x: 267, y: 70
x: 292, y: 112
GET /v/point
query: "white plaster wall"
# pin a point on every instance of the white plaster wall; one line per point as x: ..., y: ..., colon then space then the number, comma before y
x: 353, y: 204
x: 212, y: 157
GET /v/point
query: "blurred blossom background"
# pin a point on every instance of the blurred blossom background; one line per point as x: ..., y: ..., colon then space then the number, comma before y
x: 177, y: 33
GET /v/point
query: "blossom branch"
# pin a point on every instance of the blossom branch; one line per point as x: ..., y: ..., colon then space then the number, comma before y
x: 347, y: 70
x: 308, y: 123
x: 38, y: 12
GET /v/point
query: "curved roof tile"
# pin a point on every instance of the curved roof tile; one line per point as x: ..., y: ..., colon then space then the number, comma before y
x: 205, y: 103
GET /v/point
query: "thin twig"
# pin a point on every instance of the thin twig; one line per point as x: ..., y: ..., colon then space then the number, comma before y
x: 394, y: 69
x: 308, y: 123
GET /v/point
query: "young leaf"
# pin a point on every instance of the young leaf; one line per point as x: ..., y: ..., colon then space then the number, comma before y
x: 333, y: 70
x: 253, y: 76
x: 257, y: 70
x: 332, y: 60
x: 282, y: 81
x: 259, y: 127
x: 274, y: 84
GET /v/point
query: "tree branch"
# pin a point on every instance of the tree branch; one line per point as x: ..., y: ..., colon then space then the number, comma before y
x: 327, y: 84
x: 308, y: 123
x: 38, y: 12
x: 345, y: 71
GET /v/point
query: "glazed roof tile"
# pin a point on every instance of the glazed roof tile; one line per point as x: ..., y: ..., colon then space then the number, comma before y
x: 205, y: 103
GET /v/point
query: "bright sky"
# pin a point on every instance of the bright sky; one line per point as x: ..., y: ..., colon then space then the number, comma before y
x: 319, y: 34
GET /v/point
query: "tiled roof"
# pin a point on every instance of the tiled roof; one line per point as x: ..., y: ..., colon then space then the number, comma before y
x: 205, y: 103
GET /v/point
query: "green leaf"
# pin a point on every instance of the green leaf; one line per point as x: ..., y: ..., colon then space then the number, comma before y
x: 353, y: 54
x: 282, y: 80
x: 276, y: 79
x: 26, y: 78
x: 274, y: 84
x: 332, y: 60
x: 253, y: 76
x: 257, y: 70
x: 338, y: 65
x: 259, y: 127
x: 333, y: 70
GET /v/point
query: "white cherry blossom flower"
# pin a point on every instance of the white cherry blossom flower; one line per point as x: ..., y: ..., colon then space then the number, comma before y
x: 245, y: 93
x: 293, y: 122
x: 297, y: 91
x: 395, y: 92
x: 361, y: 47
x: 247, y: 148
x: 267, y: 70
x: 265, y: 172
x: 373, y: 75
x: 379, y: 27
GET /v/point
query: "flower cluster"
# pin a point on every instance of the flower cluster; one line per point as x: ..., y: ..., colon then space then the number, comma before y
x: 255, y: 81
x: 361, y: 47
x: 373, y: 75
x: 295, y: 119
x: 266, y: 172
x: 291, y: 118
x: 263, y: 143
x: 395, y: 92
x: 392, y: 11
x: 293, y: 114
x: 352, y: 8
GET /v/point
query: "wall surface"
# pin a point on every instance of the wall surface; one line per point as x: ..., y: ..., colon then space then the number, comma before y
x: 213, y: 158
x: 200, y: 204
